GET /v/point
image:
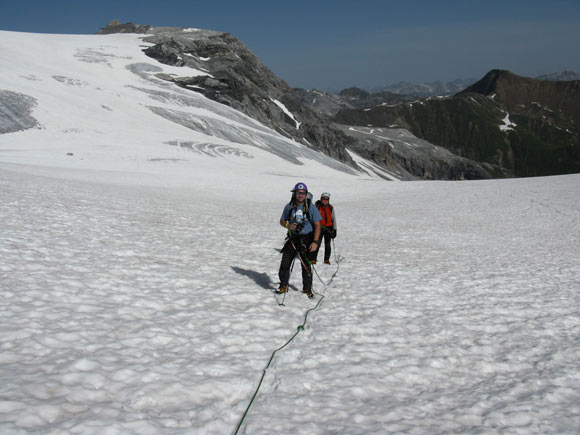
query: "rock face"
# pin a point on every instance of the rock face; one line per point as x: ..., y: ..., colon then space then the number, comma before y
x: 520, y: 126
x: 237, y: 78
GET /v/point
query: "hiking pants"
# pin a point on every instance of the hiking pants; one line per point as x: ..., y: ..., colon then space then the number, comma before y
x: 326, y: 235
x: 304, y: 257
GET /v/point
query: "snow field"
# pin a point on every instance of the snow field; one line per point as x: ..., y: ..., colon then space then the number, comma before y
x: 141, y: 309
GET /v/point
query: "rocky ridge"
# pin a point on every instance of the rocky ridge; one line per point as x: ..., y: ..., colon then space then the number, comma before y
x: 237, y: 78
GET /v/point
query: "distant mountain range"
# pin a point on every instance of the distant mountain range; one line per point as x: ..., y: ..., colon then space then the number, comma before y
x: 430, y: 89
x: 329, y: 103
x: 442, y: 88
x: 560, y: 76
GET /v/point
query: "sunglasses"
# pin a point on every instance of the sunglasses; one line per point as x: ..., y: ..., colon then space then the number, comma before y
x: 300, y: 193
x: 324, y: 198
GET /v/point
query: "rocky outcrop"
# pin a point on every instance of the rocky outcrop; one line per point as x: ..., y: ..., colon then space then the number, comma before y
x: 237, y: 78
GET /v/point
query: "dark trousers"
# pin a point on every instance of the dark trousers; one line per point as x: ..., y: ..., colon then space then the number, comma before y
x: 325, y: 234
x: 293, y: 247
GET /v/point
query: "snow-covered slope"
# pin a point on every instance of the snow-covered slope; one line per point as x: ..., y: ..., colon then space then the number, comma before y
x: 95, y: 101
x: 143, y: 310
x: 136, y: 276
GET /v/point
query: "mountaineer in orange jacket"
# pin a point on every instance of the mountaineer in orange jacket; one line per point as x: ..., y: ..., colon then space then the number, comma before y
x: 327, y: 225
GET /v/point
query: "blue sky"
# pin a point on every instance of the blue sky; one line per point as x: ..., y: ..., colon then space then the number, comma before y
x: 336, y: 44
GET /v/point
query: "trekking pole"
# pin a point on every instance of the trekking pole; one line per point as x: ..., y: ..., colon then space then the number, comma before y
x: 281, y: 304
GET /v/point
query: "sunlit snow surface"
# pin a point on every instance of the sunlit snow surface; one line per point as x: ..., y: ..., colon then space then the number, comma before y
x: 136, y: 285
x: 142, y: 309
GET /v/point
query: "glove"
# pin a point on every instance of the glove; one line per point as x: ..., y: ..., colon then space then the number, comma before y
x: 333, y: 234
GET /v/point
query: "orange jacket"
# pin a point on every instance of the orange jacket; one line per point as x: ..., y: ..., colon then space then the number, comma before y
x: 327, y: 213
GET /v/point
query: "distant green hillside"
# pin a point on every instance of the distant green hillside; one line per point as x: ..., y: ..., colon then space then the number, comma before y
x: 524, y: 126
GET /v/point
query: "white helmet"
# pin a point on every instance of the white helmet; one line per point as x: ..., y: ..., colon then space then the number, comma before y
x: 325, y: 195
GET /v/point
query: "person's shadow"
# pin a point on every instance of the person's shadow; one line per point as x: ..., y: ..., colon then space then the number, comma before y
x: 262, y: 279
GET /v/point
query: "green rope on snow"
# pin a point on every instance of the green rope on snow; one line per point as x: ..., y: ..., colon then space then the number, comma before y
x: 337, y: 260
x: 298, y: 329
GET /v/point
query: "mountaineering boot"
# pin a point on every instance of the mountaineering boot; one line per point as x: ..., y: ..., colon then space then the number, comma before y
x: 326, y: 261
x: 308, y: 293
x: 283, y: 289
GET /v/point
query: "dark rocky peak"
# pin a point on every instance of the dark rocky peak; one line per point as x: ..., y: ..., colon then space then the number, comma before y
x: 488, y: 85
x: 515, y: 92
